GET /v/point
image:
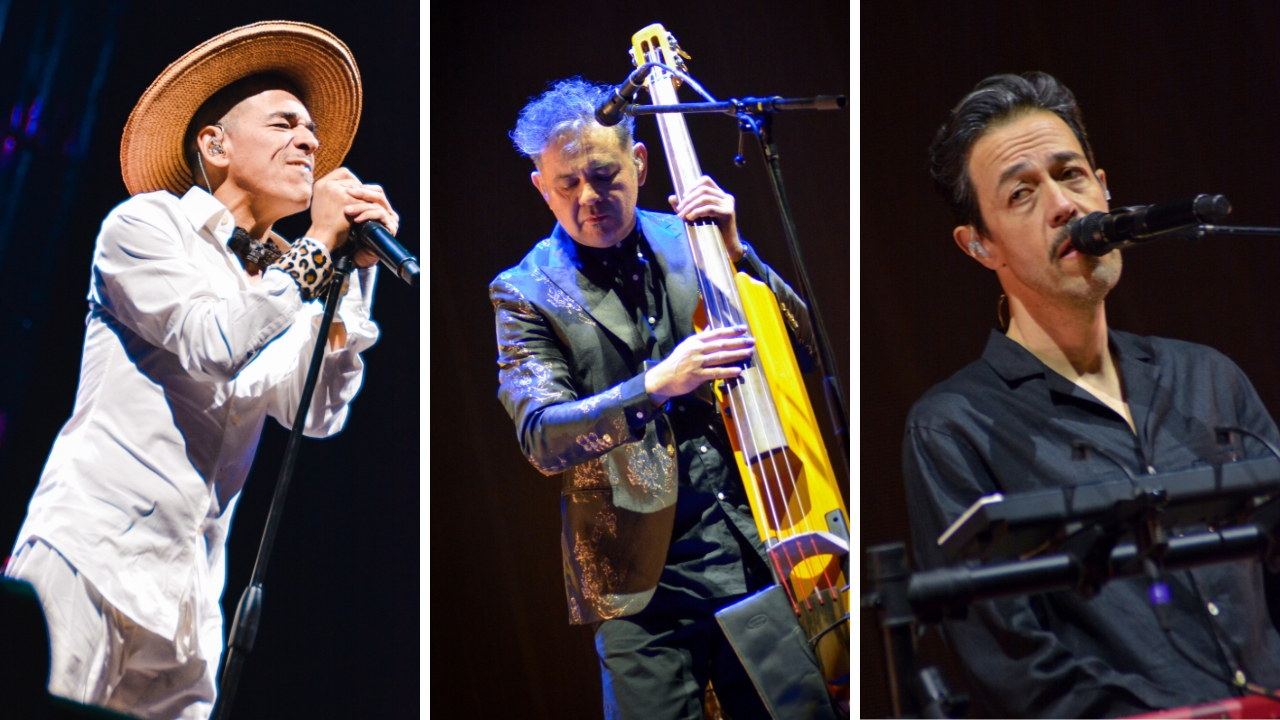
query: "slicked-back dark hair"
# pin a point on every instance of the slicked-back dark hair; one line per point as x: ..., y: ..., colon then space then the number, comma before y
x: 994, y: 101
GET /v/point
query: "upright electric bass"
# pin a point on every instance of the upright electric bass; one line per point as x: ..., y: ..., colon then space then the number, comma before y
x: 793, y: 491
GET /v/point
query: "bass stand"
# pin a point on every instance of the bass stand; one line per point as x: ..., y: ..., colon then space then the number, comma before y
x: 244, y: 628
x: 755, y: 116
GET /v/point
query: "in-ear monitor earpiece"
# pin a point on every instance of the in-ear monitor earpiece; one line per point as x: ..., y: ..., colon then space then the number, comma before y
x: 975, y: 246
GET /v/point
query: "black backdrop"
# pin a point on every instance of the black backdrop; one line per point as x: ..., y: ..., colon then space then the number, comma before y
x: 1179, y: 98
x: 500, y: 640
x: 340, y: 629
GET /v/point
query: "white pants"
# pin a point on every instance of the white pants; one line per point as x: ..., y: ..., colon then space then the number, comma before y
x: 100, y: 657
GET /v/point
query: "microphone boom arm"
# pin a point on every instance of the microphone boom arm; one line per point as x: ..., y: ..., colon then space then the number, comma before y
x: 1197, y: 232
x: 1190, y: 232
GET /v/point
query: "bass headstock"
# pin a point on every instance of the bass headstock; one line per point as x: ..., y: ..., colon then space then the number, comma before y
x: 654, y: 44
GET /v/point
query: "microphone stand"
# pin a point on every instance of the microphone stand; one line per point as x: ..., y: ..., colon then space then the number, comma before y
x: 1081, y: 560
x: 244, y: 628
x: 902, y: 599
x: 913, y: 691
x: 755, y: 115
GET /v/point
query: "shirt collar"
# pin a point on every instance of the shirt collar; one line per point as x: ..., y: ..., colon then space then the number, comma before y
x: 206, y: 212
x: 1012, y: 362
x: 587, y: 255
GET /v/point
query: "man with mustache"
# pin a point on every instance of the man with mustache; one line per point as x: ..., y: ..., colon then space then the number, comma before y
x: 201, y: 324
x: 1014, y: 163
x: 607, y: 382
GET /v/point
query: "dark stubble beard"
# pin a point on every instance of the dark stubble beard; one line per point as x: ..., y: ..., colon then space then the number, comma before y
x: 1101, y: 273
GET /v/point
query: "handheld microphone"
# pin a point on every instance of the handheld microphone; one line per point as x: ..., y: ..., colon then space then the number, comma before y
x: 373, y: 235
x: 1099, y: 233
x: 609, y: 113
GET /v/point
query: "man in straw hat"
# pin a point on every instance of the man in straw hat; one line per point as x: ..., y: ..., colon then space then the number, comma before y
x: 201, y: 324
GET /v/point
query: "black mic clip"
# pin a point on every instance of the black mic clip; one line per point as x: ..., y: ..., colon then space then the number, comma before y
x: 1099, y: 233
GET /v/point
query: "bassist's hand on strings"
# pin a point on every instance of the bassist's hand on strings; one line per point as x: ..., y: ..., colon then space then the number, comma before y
x: 708, y: 355
x: 705, y: 199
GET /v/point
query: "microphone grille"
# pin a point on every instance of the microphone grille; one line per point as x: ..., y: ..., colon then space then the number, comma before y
x: 1086, y: 234
x: 609, y: 112
x: 1208, y: 208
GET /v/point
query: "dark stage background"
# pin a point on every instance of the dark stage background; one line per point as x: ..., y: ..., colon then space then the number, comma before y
x: 1179, y: 99
x: 340, y: 629
x: 501, y: 644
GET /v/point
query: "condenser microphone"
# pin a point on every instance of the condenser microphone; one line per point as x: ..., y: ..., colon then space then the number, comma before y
x: 609, y: 113
x: 1099, y: 233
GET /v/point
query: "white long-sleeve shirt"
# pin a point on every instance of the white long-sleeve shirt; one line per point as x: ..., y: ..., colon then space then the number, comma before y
x: 185, y: 356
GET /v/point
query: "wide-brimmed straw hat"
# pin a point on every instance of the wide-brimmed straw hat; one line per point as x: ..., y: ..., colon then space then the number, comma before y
x: 151, y: 151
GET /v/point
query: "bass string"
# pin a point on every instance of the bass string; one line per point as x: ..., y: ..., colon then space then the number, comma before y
x: 717, y: 317
x: 684, y: 171
x: 723, y: 309
x: 723, y: 314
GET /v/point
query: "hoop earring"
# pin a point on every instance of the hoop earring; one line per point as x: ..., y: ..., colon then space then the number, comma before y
x: 1000, y: 312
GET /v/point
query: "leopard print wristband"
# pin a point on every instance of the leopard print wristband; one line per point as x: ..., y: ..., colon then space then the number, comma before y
x: 308, y: 263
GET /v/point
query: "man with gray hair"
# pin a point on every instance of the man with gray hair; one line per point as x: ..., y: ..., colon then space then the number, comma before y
x: 607, y: 382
